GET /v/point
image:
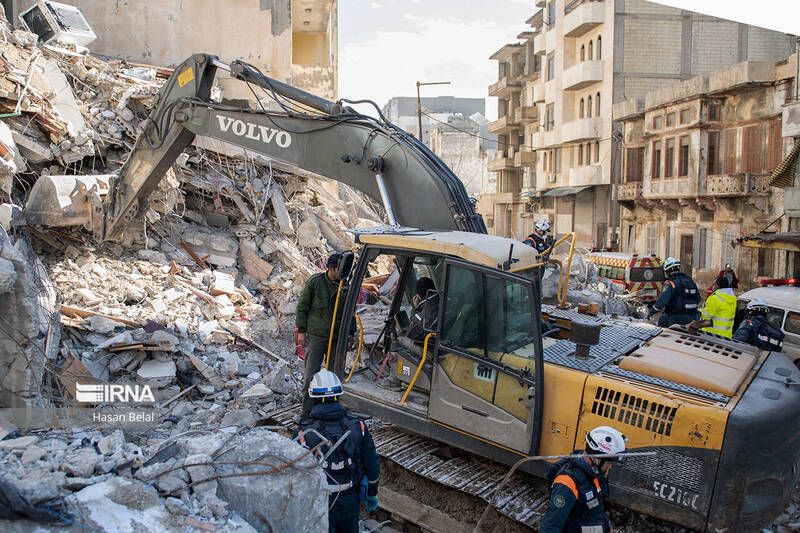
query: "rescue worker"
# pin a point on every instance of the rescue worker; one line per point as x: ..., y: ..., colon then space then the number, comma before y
x: 679, y: 297
x: 353, y: 467
x: 313, y: 321
x: 539, y: 238
x: 719, y: 311
x: 756, y: 330
x: 579, y: 486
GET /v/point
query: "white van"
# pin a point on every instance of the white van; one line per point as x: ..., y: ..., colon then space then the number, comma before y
x: 784, y: 314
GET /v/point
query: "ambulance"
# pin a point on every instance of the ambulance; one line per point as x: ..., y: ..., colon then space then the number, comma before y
x: 641, y: 276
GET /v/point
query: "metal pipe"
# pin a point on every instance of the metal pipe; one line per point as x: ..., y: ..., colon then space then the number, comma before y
x: 385, y: 198
x: 419, y: 367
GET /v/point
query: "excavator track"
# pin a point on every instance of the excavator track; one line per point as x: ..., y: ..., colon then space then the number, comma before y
x: 523, y: 499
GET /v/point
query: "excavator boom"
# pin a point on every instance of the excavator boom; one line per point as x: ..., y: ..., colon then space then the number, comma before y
x: 371, y: 155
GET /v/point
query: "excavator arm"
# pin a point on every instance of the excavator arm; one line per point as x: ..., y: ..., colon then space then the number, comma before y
x: 311, y: 133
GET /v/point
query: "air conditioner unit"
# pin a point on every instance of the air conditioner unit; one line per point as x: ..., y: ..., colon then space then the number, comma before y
x: 52, y: 21
x: 551, y: 178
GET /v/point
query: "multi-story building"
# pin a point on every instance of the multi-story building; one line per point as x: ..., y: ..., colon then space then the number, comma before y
x: 458, y: 143
x: 556, y: 88
x: 696, y: 164
x: 402, y: 111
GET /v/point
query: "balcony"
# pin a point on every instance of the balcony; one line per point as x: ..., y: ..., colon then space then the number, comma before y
x: 507, y: 198
x: 538, y: 93
x: 586, y: 175
x: 583, y: 129
x: 550, y: 41
x: 503, y: 124
x: 581, y: 16
x: 582, y: 75
x: 738, y: 185
x: 540, y: 44
x: 501, y: 163
x: 524, y: 158
x: 670, y: 188
x: 629, y: 191
x: 504, y: 87
x: 525, y: 114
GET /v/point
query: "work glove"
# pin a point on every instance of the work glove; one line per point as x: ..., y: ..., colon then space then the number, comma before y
x: 371, y: 503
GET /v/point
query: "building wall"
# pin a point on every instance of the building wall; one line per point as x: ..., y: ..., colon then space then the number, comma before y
x: 258, y: 31
x: 461, y: 152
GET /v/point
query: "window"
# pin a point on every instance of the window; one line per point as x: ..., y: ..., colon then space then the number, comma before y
x: 765, y: 262
x: 706, y: 215
x: 669, y: 157
x: 634, y: 169
x: 752, y: 149
x: 544, y: 162
x: 658, y: 122
x: 464, y: 317
x: 551, y: 66
x: 580, y: 154
x: 583, y: 52
x: 597, y: 105
x: 652, y: 239
x: 713, y: 111
x: 672, y: 214
x: 670, y: 120
x: 774, y: 144
x: 792, y: 323
x: 683, y: 157
x: 588, y: 153
x: 713, y: 153
x: 551, y: 15
x: 597, y: 151
x: 775, y: 317
x: 729, y: 151
x: 655, y: 171
x: 552, y: 160
x: 629, y: 240
x: 599, y: 47
x: 557, y: 166
x: 687, y: 115
x: 589, y: 108
x: 591, y: 48
x: 582, y: 109
x: 549, y: 117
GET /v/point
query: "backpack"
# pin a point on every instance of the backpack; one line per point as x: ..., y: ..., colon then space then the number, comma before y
x: 343, y: 465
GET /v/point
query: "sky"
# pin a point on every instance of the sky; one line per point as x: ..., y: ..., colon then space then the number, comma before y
x: 386, y: 46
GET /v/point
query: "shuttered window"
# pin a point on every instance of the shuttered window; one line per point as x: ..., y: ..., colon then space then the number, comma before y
x: 713, y: 153
x: 635, y: 164
x: 729, y: 151
x: 669, y: 157
x: 774, y: 144
x: 753, y: 149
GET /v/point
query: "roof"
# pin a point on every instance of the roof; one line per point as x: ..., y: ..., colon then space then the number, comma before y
x: 785, y: 296
x: 563, y: 191
x: 781, y: 241
x: 506, y: 51
x: 487, y: 250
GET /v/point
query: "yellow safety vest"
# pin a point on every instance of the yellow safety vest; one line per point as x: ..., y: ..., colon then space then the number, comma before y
x: 720, y: 308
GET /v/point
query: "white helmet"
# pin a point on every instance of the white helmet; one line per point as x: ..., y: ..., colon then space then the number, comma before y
x: 671, y: 264
x: 325, y: 384
x: 543, y: 226
x: 757, y: 305
x: 605, y: 439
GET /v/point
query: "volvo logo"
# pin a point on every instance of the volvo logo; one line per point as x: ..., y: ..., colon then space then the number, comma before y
x: 240, y: 128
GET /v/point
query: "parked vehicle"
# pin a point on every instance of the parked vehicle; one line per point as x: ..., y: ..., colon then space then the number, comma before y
x: 641, y: 276
x: 783, y: 299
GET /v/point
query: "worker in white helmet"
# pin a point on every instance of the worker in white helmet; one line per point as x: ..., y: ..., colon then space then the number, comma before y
x: 679, y: 298
x: 579, y: 485
x: 756, y: 330
x: 539, y: 238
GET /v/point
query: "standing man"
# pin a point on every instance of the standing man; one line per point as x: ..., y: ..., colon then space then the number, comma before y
x: 756, y: 330
x: 679, y: 297
x: 579, y: 486
x: 718, y: 313
x: 730, y: 275
x: 539, y: 238
x: 313, y: 318
x: 353, y: 467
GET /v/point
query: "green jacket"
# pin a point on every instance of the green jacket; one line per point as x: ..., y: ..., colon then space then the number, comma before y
x: 315, y: 306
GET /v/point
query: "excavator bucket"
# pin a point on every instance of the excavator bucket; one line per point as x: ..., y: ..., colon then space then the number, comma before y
x: 64, y: 200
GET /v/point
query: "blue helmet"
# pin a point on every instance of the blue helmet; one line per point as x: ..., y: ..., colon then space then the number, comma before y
x: 325, y: 384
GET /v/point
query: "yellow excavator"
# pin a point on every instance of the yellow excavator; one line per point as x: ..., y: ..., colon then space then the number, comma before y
x: 497, y: 374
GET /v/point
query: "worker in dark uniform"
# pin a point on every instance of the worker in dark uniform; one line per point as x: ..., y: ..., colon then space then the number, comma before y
x: 539, y: 238
x: 679, y: 297
x: 313, y: 318
x: 579, y: 486
x: 353, y: 467
x: 756, y: 330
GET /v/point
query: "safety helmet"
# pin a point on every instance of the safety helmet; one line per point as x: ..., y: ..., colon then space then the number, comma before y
x: 670, y: 263
x: 757, y: 305
x: 543, y: 226
x: 605, y: 440
x: 325, y: 384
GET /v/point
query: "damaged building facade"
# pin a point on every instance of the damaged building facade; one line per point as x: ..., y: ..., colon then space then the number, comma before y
x: 556, y: 88
x: 696, y: 171
x: 294, y: 41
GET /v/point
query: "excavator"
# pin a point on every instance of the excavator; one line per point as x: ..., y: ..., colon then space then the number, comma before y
x: 498, y: 375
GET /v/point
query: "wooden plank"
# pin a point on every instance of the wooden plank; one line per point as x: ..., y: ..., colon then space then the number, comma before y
x: 181, y: 393
x: 72, y: 373
x: 418, y: 513
x: 79, y: 312
x: 197, y: 259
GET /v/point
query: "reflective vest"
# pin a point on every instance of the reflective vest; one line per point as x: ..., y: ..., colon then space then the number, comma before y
x: 720, y: 308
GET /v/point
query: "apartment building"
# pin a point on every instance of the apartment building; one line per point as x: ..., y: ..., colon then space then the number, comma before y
x: 556, y: 88
x: 458, y: 142
x: 402, y: 111
x: 696, y: 167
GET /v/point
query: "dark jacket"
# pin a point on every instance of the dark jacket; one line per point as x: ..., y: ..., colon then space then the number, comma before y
x: 353, y: 459
x: 535, y: 241
x: 679, y: 296
x: 425, y: 314
x: 315, y: 306
x: 733, y: 281
x: 577, y: 495
x: 758, y: 332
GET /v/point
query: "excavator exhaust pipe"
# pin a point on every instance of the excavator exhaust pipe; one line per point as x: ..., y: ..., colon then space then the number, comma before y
x: 65, y: 200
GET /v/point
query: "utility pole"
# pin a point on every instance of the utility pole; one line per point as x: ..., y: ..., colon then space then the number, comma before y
x: 419, y: 103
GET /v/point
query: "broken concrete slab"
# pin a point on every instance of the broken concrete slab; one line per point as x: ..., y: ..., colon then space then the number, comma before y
x: 221, y: 249
x: 157, y: 370
x: 81, y: 463
x: 19, y: 443
x: 238, y: 417
x: 254, y: 265
x: 281, y: 213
